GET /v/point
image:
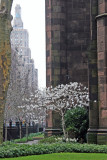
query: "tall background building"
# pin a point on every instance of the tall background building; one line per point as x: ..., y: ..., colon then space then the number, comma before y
x: 23, y: 74
x: 20, y: 44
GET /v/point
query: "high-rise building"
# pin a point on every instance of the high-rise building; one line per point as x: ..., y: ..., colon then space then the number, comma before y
x: 17, y: 20
x: 20, y: 36
x: 20, y: 43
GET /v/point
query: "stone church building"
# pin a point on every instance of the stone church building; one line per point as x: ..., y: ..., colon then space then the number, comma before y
x: 76, y: 50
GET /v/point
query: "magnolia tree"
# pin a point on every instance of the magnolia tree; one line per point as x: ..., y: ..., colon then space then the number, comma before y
x: 15, y: 91
x: 26, y: 107
x: 64, y: 97
x: 36, y: 105
x: 60, y: 99
x: 18, y: 90
x: 25, y: 115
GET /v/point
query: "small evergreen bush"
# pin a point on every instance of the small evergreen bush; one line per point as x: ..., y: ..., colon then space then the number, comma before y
x: 77, y: 122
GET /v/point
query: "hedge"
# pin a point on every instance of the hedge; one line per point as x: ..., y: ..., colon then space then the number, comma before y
x: 17, y: 150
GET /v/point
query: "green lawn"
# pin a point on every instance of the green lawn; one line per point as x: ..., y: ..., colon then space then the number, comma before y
x: 63, y: 156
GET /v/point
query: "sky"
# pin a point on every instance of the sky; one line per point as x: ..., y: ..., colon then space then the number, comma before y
x: 33, y: 17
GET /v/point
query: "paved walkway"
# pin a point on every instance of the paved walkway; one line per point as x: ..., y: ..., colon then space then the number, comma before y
x: 31, y: 142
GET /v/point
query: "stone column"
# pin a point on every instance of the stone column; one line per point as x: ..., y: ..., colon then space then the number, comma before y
x: 5, y: 56
x: 102, y: 70
x: 55, y: 42
x: 55, y: 54
x: 93, y: 76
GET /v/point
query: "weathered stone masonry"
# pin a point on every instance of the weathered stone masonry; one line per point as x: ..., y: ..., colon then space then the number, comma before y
x: 77, y: 36
x: 97, y: 132
x: 5, y: 55
x: 67, y: 41
x: 102, y: 70
x: 68, y: 34
x: 93, y: 76
x: 68, y: 37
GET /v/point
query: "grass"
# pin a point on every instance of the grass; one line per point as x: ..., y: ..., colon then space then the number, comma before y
x: 63, y: 156
x: 37, y: 135
x: 23, y: 140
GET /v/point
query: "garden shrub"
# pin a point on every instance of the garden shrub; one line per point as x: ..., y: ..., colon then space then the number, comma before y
x: 16, y: 150
x: 51, y: 139
x: 77, y: 121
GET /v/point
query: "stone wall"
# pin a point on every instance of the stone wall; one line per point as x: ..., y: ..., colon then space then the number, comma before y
x: 67, y: 40
x: 102, y: 70
x: 77, y: 39
x: 5, y: 56
x: 97, y: 132
x: 93, y: 77
x: 55, y: 41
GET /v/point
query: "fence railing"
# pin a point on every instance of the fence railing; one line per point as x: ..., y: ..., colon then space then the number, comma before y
x: 13, y: 132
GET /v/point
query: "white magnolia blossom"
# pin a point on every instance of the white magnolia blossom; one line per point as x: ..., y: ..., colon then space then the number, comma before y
x: 60, y: 99
x: 69, y: 95
x: 64, y: 97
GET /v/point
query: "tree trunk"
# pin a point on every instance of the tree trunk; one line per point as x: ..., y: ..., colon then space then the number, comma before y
x: 5, y: 56
x: 20, y: 129
x: 27, y: 131
x: 63, y: 125
x: 5, y: 131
